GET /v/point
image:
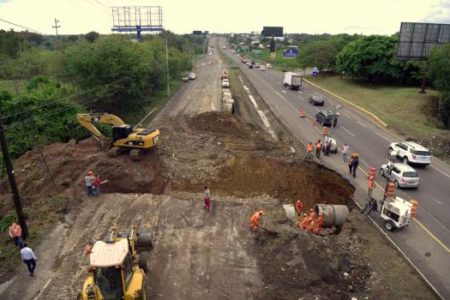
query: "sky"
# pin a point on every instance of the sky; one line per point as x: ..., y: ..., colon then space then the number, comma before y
x: 226, y: 16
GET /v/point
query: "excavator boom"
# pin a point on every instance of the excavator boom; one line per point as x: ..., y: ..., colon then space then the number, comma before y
x: 88, y: 121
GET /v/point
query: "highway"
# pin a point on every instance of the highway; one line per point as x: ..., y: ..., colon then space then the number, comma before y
x: 371, y: 141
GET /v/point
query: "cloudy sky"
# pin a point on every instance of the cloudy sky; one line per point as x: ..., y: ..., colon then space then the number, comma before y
x: 183, y: 16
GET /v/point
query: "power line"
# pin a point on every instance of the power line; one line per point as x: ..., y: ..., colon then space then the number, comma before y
x: 23, y: 27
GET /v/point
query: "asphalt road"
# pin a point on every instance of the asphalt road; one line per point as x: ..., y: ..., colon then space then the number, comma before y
x: 371, y: 141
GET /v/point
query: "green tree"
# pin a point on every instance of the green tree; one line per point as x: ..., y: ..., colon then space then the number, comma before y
x: 10, y: 43
x: 91, y: 36
x: 370, y: 57
x: 439, y: 72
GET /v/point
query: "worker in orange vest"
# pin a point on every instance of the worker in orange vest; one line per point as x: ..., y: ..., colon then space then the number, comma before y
x: 304, y: 222
x: 370, y: 186
x: 319, y: 223
x: 312, y: 219
x: 318, y: 148
x: 254, y: 220
x: 309, y: 150
x: 15, y: 232
x: 298, y: 207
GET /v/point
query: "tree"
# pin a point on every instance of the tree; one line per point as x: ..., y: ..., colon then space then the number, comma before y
x: 370, y: 57
x: 91, y: 36
x: 439, y: 72
x: 10, y: 43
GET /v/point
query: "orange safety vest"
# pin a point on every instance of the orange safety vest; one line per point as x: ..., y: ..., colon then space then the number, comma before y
x: 318, y: 146
x: 310, y: 147
x: 15, y: 231
x: 255, y: 218
x: 371, y: 184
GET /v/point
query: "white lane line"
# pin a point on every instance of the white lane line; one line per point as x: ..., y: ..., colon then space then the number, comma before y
x: 362, y: 124
x: 381, y: 136
x: 364, y: 163
x: 283, y: 91
x: 440, y: 171
x: 300, y: 92
x: 348, y: 131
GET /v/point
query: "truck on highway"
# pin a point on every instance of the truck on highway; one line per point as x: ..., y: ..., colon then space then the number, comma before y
x: 292, y: 80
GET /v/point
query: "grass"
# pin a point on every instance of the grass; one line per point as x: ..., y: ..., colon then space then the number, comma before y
x: 402, y: 108
x: 279, y: 63
x: 10, y: 85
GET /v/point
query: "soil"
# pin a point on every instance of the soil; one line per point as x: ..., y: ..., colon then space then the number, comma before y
x: 200, y: 254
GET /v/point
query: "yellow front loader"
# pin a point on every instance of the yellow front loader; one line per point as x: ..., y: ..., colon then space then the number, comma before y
x: 124, y: 136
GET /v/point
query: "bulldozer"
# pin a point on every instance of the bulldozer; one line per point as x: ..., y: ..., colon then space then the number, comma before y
x: 116, y: 270
x: 124, y: 137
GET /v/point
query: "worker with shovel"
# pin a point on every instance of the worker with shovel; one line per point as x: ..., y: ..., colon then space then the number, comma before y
x: 254, y: 220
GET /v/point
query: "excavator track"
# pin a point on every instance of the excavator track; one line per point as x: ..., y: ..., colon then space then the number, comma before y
x: 115, y: 151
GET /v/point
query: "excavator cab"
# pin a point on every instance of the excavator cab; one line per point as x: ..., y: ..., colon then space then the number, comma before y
x: 121, y: 132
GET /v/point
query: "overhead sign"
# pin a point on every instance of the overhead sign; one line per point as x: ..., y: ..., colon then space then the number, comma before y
x: 270, y: 31
x: 417, y: 39
x: 290, y: 52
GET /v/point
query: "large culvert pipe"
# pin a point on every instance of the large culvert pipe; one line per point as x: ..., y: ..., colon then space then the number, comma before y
x: 333, y: 215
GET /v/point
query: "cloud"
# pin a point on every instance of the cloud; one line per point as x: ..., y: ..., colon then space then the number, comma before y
x: 440, y: 13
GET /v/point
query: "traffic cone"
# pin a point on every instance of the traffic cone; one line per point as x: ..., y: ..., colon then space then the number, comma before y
x: 301, y: 114
x: 414, y: 205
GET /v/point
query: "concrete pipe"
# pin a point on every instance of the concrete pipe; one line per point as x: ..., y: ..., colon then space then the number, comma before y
x: 333, y: 215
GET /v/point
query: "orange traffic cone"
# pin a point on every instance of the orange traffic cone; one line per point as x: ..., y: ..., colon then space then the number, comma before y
x: 301, y: 114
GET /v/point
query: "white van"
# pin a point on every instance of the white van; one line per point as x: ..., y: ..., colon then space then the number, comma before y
x: 292, y: 80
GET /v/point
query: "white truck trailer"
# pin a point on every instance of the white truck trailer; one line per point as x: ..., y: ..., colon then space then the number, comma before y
x: 292, y: 80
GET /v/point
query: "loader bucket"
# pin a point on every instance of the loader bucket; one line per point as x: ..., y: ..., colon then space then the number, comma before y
x: 144, y: 241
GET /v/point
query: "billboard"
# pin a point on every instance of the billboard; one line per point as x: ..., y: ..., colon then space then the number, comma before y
x: 290, y: 52
x: 417, y: 39
x: 271, y: 31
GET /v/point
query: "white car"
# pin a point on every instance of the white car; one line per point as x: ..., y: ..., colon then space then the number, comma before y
x: 269, y: 66
x: 410, y: 152
x: 403, y: 175
x: 225, y: 83
x: 192, y: 76
x: 262, y: 67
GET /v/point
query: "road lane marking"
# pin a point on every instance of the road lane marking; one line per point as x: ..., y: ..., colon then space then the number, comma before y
x: 348, y: 131
x: 362, y: 124
x: 283, y: 91
x: 300, y: 92
x: 381, y: 136
x: 440, y: 171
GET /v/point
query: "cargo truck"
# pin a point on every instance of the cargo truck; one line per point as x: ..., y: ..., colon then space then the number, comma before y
x: 292, y: 80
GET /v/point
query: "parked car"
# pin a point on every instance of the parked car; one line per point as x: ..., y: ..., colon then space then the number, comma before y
x: 327, y: 118
x: 192, y: 76
x: 403, y: 175
x: 269, y: 66
x: 185, y: 78
x: 317, y: 100
x: 225, y: 83
x: 410, y: 152
x: 262, y: 67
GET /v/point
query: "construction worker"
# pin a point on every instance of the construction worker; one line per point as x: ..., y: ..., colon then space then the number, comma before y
x: 370, y: 186
x: 254, y: 220
x: 319, y: 223
x: 312, y: 219
x: 89, y: 182
x: 304, y: 222
x: 15, y: 232
x: 318, y: 148
x: 299, y: 207
x: 207, y: 199
x: 309, y: 150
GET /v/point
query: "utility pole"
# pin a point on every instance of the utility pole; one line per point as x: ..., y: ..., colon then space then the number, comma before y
x: 56, y: 26
x: 167, y: 70
x: 13, y: 184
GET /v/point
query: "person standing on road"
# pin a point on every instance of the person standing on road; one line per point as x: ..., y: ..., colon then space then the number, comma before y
x: 15, y: 232
x: 28, y: 258
x: 350, y: 165
x: 345, y: 153
x: 371, y: 206
x: 327, y: 147
x: 370, y: 186
x: 309, y: 149
x: 354, y: 165
x: 318, y: 148
x: 207, y: 198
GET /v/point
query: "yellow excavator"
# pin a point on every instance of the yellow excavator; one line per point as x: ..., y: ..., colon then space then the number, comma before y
x: 124, y: 136
x: 118, y: 267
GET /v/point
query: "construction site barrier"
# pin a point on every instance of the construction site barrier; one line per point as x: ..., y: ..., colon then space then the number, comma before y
x: 390, y: 190
x: 372, y: 172
x: 333, y: 215
x: 301, y: 114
